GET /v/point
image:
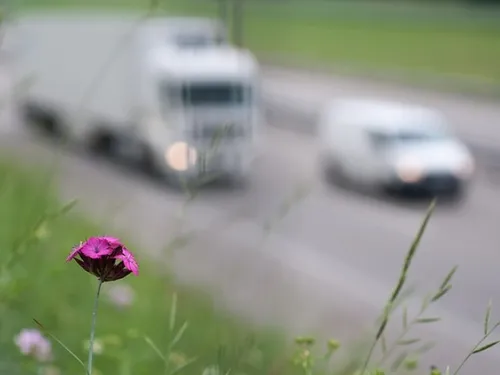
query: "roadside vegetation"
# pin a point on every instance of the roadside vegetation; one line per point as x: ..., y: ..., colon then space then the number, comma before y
x: 37, y: 234
x: 148, y: 324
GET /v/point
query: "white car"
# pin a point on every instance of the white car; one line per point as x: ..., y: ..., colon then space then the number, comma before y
x: 392, y: 145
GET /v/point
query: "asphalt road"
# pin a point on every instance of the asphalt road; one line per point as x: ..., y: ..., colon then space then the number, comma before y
x: 328, y: 266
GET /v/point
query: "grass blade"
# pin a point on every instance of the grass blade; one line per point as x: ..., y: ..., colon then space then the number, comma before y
x: 405, y: 317
x: 448, y: 277
x: 408, y: 342
x: 179, y: 335
x: 173, y: 312
x: 399, y: 361
x: 411, y: 252
x: 485, y: 347
x: 383, y: 344
x: 183, y: 366
x: 67, y: 207
x: 428, y: 320
x: 487, y: 317
x: 402, y: 279
x: 155, y: 348
x: 425, y: 303
x: 62, y: 345
x: 441, y: 293
x: 425, y: 348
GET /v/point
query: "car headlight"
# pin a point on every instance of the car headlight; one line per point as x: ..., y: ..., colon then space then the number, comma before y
x: 409, y: 170
x: 180, y: 156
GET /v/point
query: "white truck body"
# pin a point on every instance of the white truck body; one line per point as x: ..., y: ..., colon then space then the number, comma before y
x: 156, y: 82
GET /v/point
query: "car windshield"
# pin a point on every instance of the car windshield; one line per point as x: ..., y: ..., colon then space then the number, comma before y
x: 199, y: 40
x: 383, y: 139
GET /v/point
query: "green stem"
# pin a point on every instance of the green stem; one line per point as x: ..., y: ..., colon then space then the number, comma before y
x: 92, y: 329
x: 400, y: 337
x: 471, y: 353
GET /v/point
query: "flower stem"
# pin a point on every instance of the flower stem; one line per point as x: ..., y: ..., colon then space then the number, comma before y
x: 92, y: 328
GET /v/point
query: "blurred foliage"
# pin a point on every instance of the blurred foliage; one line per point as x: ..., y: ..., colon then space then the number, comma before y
x: 39, y: 284
x: 166, y: 329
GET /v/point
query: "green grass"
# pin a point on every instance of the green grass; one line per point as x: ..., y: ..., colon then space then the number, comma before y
x: 444, y: 39
x: 40, y: 284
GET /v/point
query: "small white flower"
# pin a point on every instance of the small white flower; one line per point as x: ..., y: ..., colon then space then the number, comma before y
x: 97, y: 348
x: 211, y: 370
x: 51, y: 370
x: 31, y: 342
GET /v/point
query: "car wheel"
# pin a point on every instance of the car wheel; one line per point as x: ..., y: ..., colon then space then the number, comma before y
x: 239, y: 182
x: 334, y: 173
x: 456, y: 197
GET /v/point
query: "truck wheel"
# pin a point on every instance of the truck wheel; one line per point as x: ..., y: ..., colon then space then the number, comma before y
x: 147, y: 162
x: 334, y: 174
x: 42, y: 120
x: 103, y: 144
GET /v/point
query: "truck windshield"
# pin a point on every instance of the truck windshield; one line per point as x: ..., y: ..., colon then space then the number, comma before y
x: 208, y: 94
x: 196, y: 40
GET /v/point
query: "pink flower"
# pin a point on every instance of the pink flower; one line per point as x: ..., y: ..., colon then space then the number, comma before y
x: 31, y: 342
x: 105, y: 257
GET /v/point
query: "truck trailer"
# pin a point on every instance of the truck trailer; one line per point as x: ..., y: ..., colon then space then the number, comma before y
x: 160, y: 91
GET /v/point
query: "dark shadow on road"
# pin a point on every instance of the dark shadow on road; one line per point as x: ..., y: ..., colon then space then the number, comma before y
x: 409, y: 200
x: 222, y: 186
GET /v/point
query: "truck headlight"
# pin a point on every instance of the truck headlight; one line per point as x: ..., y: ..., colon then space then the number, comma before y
x: 180, y: 156
x: 409, y: 170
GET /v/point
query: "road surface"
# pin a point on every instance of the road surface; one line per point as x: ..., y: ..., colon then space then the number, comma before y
x: 326, y: 268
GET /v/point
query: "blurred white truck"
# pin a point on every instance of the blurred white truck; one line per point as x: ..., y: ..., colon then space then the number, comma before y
x: 158, y: 91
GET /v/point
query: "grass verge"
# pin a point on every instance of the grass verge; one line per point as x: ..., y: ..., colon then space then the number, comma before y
x: 38, y: 284
x: 460, y: 44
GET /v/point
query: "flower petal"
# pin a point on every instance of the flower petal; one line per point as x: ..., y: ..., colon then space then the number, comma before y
x: 113, y: 241
x: 74, y: 252
x: 96, y: 247
x: 129, y: 261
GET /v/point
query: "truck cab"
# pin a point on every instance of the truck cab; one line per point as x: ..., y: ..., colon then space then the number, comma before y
x: 191, y: 33
x: 204, y: 110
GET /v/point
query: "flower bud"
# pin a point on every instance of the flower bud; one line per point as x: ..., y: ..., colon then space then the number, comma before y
x: 333, y: 345
x: 305, y: 340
